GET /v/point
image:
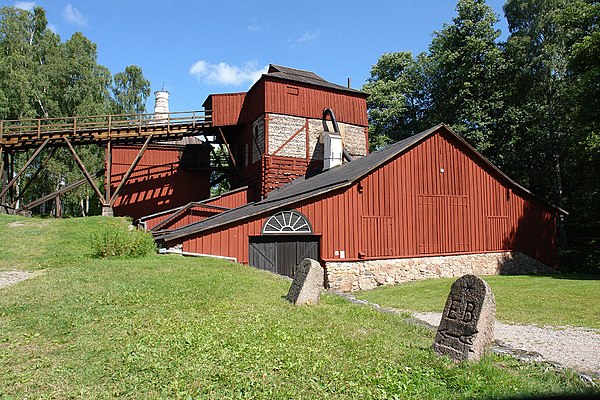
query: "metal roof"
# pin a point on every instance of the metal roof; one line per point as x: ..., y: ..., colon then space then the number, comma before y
x: 336, y: 178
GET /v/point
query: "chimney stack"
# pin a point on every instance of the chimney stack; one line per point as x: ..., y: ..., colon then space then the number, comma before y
x: 161, y: 105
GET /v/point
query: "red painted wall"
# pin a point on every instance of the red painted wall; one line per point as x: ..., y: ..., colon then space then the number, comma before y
x: 157, y: 183
x: 226, y: 108
x: 232, y: 199
x: 291, y: 98
x: 410, y: 208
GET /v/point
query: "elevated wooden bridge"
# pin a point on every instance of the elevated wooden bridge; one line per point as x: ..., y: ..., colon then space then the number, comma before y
x: 104, y: 130
x: 18, y: 135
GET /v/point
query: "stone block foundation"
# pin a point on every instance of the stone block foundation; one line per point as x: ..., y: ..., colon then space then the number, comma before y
x: 368, y: 274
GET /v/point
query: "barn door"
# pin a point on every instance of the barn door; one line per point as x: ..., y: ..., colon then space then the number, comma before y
x: 281, y: 254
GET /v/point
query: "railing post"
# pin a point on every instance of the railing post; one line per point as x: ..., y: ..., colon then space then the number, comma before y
x: 169, y: 123
x: 1, y: 129
x: 140, y: 125
x: 193, y: 119
x: 75, y: 125
x: 39, y: 127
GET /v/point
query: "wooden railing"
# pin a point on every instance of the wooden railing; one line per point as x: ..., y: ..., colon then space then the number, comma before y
x: 102, y: 123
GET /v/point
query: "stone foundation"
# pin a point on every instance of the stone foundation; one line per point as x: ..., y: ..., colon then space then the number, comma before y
x: 368, y: 274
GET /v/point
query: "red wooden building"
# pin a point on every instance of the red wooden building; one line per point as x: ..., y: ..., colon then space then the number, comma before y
x: 272, y: 135
x: 427, y: 206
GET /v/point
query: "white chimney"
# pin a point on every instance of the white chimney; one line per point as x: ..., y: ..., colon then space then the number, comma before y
x: 332, y: 155
x: 161, y: 105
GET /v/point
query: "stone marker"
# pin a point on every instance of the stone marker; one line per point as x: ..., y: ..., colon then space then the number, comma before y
x: 308, y: 283
x: 467, y: 324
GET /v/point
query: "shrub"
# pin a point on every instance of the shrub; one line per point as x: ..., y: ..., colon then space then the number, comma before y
x: 121, y: 241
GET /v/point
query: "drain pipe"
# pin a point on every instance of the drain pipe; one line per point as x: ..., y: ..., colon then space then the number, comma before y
x: 336, y: 129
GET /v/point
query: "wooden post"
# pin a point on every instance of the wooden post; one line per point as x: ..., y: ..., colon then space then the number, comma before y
x: 14, y: 179
x: 3, y: 176
x: 129, y: 171
x: 108, y: 162
x: 85, y: 172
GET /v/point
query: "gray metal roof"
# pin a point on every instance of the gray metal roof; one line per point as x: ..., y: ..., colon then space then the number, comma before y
x: 302, y: 188
x: 301, y: 76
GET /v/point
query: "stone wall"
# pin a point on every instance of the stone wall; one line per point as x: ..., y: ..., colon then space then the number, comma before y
x: 368, y: 274
x: 282, y: 127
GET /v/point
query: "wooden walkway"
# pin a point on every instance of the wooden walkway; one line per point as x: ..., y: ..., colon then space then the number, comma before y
x: 18, y: 135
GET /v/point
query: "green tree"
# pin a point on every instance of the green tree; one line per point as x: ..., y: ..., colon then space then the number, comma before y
x: 42, y: 77
x: 130, y: 91
x: 465, y: 65
x: 398, y: 98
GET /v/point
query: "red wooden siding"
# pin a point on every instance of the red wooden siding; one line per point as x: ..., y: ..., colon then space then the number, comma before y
x: 307, y: 101
x: 225, y: 108
x: 157, y: 183
x: 151, y: 222
x: 193, y: 213
x: 410, y: 208
x: 232, y: 199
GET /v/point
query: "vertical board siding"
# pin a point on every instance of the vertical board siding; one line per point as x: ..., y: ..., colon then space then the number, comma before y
x: 308, y: 101
x: 226, y: 108
x: 232, y: 199
x: 156, y: 184
x: 409, y: 208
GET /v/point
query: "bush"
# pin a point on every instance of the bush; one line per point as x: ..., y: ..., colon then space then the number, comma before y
x: 121, y: 241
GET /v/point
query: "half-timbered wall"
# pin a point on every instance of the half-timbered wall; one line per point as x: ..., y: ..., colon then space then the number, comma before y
x: 435, y: 199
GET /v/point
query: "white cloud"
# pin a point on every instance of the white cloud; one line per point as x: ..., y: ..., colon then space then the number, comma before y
x: 308, y: 36
x: 255, y: 28
x: 53, y: 28
x: 25, y: 5
x: 225, y: 74
x: 74, y: 16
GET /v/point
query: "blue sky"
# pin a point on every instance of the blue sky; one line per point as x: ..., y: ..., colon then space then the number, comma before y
x: 202, y: 47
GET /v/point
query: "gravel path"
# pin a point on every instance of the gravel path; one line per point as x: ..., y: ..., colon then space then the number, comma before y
x: 577, y: 348
x: 573, y: 347
x: 8, y: 278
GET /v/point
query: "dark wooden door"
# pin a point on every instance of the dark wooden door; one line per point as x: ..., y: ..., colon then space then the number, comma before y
x: 281, y: 254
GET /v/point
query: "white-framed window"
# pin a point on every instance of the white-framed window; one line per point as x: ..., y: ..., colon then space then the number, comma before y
x: 285, y: 222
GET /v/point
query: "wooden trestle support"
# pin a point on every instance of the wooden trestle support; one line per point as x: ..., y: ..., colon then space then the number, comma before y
x: 107, y: 130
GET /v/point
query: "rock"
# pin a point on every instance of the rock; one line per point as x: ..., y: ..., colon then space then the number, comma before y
x: 308, y: 283
x: 467, y: 324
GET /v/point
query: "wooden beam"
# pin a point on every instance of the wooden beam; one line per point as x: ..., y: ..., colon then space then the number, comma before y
x: 4, y: 175
x: 65, y: 189
x: 239, y: 174
x: 228, y: 149
x: 85, y: 171
x: 108, y: 160
x: 14, y: 179
x: 35, y: 174
x: 129, y: 171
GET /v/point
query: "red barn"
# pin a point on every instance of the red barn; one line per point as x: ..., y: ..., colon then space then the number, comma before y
x: 427, y: 206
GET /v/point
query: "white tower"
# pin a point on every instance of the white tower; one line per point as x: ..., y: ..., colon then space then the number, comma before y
x: 161, y: 105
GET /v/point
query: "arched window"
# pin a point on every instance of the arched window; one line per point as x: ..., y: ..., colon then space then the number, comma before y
x: 287, y: 222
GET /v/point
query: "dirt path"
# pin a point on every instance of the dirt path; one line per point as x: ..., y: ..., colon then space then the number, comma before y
x: 8, y: 278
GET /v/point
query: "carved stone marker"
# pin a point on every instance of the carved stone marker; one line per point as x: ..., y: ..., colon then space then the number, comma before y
x: 467, y: 324
x: 308, y: 283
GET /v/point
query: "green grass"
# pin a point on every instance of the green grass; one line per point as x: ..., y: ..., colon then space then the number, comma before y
x: 174, y: 327
x: 552, y: 300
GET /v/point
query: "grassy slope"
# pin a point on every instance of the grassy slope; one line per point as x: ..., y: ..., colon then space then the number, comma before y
x: 545, y: 300
x: 167, y: 326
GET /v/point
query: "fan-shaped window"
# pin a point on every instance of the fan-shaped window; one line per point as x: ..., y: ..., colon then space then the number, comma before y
x: 287, y: 222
